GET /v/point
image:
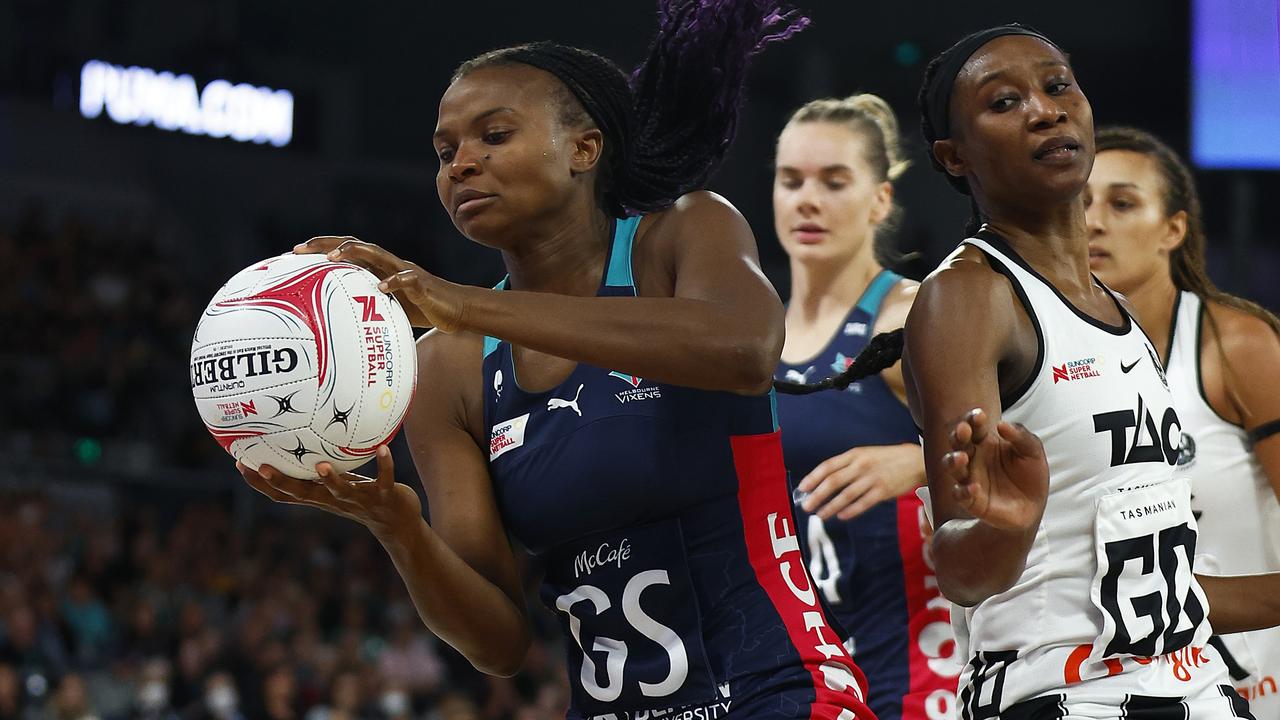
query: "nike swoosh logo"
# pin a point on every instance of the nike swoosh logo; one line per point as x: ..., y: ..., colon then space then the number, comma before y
x: 1126, y: 368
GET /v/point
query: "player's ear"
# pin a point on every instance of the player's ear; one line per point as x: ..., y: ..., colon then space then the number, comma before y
x: 949, y: 156
x: 588, y: 146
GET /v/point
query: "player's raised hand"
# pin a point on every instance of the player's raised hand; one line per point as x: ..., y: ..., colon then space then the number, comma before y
x: 849, y: 484
x: 427, y: 300
x: 1000, y: 474
x: 380, y: 504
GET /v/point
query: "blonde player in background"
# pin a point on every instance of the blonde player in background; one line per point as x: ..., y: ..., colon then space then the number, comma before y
x: 855, y: 455
x: 1221, y: 355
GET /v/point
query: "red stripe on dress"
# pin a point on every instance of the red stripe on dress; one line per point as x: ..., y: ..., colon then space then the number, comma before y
x: 930, y: 640
x: 773, y: 549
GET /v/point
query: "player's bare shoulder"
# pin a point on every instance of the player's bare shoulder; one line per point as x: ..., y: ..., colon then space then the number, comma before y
x: 896, y: 305
x: 967, y: 302
x: 963, y: 284
x: 1241, y: 332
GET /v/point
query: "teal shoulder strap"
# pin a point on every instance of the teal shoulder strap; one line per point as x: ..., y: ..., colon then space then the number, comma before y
x: 491, y: 343
x: 618, y: 274
x: 870, y: 301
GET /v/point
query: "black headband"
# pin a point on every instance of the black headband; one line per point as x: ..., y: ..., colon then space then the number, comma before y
x: 938, y: 93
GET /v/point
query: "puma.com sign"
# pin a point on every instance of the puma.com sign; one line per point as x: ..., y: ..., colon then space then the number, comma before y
x: 142, y: 96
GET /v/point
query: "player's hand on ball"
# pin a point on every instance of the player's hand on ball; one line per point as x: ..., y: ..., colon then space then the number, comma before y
x: 380, y: 504
x: 426, y: 299
x: 849, y: 484
x: 1001, y: 476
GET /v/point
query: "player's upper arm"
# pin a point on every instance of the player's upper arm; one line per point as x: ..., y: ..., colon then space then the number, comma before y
x: 441, y: 430
x: 713, y: 257
x: 958, y: 332
x: 1252, y: 350
x: 708, y: 251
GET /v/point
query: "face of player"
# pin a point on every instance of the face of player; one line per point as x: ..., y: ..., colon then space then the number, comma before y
x: 1130, y: 236
x: 506, y: 161
x: 1022, y: 131
x: 827, y: 201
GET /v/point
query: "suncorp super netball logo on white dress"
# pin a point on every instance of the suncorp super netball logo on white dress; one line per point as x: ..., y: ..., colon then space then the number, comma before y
x: 142, y: 96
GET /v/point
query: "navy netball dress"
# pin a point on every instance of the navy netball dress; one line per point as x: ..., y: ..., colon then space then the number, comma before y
x: 663, y: 519
x: 872, y: 571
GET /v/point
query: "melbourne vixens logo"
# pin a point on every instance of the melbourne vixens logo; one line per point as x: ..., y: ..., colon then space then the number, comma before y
x: 636, y: 393
x: 842, y: 363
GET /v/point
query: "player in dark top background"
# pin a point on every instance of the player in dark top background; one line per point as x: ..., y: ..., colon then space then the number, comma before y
x: 609, y: 406
x: 855, y: 455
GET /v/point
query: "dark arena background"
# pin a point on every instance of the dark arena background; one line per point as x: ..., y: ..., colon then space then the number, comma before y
x: 139, y: 575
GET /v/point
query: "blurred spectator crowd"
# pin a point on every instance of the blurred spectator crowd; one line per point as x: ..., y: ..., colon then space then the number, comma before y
x: 171, y: 612
x: 166, y: 604
x: 100, y: 322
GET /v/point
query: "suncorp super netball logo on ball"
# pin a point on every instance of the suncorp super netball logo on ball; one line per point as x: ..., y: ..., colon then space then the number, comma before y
x: 379, y: 348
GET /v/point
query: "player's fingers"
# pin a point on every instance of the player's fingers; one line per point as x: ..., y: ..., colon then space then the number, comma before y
x: 400, y: 281
x: 333, y: 481
x: 382, y: 263
x: 386, y: 469
x: 257, y: 482
x: 826, y: 488
x: 302, y: 492
x: 961, y: 436
x: 846, y: 497
x: 865, y: 502
x: 1025, y: 442
x: 956, y: 465
x: 320, y: 244
x: 823, y: 469
x: 245, y: 471
x: 981, y: 424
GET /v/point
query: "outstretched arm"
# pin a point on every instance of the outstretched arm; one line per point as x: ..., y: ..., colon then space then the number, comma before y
x: 988, y: 480
x: 722, y: 328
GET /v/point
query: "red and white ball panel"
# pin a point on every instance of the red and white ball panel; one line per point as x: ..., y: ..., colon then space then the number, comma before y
x: 299, y: 360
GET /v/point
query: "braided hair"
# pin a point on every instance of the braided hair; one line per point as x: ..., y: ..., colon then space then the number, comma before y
x: 668, y: 126
x: 880, y: 353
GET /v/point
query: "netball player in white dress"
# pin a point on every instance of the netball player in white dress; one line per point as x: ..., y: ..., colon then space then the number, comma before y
x: 1221, y: 355
x: 1064, y: 532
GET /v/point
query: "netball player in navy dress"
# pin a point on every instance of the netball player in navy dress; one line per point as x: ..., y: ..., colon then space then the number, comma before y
x: 855, y: 455
x: 608, y: 404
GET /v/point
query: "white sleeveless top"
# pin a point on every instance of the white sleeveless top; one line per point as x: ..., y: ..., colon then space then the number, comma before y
x: 1107, y: 607
x: 1234, y: 505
